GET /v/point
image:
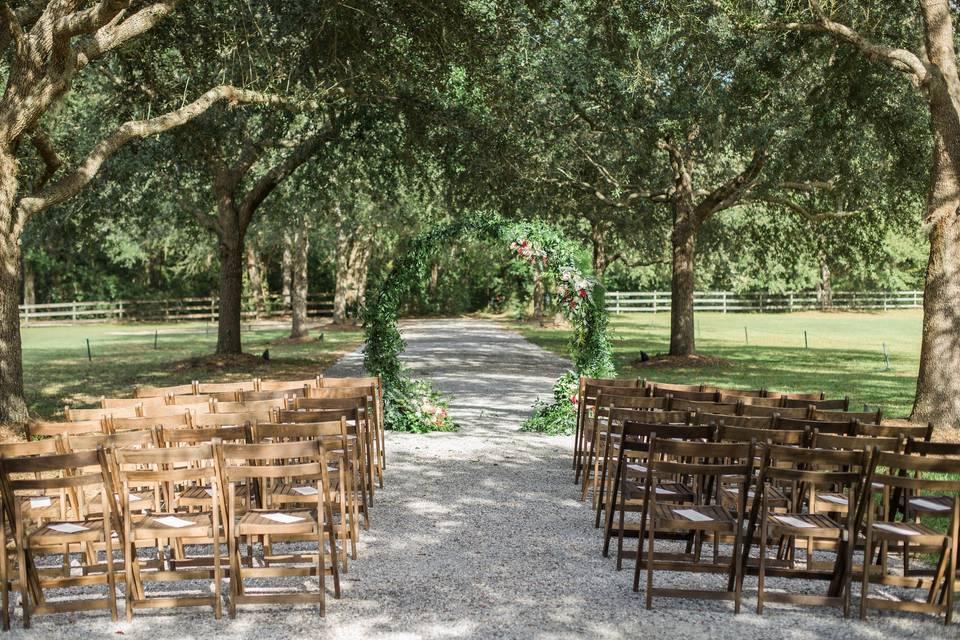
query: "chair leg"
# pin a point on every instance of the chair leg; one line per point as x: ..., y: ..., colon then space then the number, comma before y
x: 653, y: 535
x: 951, y: 581
x: 24, y: 592
x: 762, y: 569
x: 233, y: 549
x: 865, y: 578
x: 111, y: 578
x: 4, y: 575
x: 321, y: 563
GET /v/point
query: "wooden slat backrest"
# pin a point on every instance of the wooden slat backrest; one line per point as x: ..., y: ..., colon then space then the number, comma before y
x: 634, y: 402
x: 324, y: 404
x: 179, y: 421
x: 693, y: 458
x: 192, y: 400
x: 46, y: 428
x: 174, y: 410
x: 854, y: 443
x: 735, y: 393
x: 261, y: 407
x: 825, y: 426
x: 919, y: 473
x: 200, y: 435
x: 591, y: 392
x: 751, y: 401
x: 354, y: 415
x: 96, y: 413
x: 175, y: 390
x: 697, y: 396
x: 679, y: 404
x: 865, y: 417
x: 636, y: 435
x: 368, y: 381
x: 56, y: 471
x: 263, y: 461
x: 818, y: 467
x: 255, y: 396
x: 788, y: 395
x: 47, y: 446
x: 623, y: 383
x: 173, y: 464
x: 923, y: 448
x: 226, y: 387
x: 227, y: 419
x: 109, y: 403
x: 752, y: 422
x: 838, y: 404
x: 786, y: 412
x: 283, y: 385
x: 300, y: 431
x: 913, y: 431
x: 343, y: 392
x: 762, y: 436
x: 111, y: 441
x: 667, y: 386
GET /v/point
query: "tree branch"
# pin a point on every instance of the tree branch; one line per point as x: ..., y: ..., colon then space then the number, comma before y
x: 111, y: 36
x: 72, y: 183
x: 44, y: 146
x: 727, y: 194
x: 786, y: 203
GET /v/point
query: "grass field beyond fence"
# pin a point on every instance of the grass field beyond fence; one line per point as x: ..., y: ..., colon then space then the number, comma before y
x: 845, y: 354
x: 57, y: 371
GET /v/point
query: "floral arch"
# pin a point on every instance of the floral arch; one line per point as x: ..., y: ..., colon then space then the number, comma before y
x: 413, y: 405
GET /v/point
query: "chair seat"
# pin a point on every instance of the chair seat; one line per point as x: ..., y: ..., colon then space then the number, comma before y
x: 712, y: 517
x: 286, y: 493
x: 832, y: 502
x: 271, y: 522
x: 932, y: 505
x: 139, y: 500
x: 910, y: 532
x: 201, y: 496
x: 39, y: 507
x: 776, y: 497
x: 805, y: 525
x: 177, y: 525
x: 89, y: 530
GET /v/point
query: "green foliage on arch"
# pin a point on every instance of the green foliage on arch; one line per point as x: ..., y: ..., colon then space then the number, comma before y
x: 413, y: 405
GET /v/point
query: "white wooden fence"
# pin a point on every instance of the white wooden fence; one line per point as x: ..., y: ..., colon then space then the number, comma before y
x: 168, y: 310
x: 727, y: 301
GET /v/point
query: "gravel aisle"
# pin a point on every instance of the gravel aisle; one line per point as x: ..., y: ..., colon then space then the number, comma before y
x: 479, y: 534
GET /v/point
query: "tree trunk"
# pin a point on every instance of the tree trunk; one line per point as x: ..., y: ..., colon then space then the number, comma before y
x: 682, y: 338
x: 29, y: 284
x: 938, y: 381
x: 255, y: 280
x: 360, y: 271
x: 301, y: 250
x: 286, y: 267
x: 231, y: 288
x: 341, y: 287
x: 434, y: 280
x: 13, y: 407
x: 824, y: 289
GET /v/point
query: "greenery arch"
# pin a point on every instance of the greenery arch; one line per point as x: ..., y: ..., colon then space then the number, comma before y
x: 413, y: 405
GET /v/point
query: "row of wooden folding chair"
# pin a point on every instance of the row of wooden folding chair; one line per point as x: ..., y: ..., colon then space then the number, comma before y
x: 212, y: 469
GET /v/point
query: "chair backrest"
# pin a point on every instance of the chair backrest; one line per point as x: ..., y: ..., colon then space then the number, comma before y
x: 701, y: 461
x: 696, y: 396
x: 177, y: 421
x: 257, y: 406
x: 111, y: 403
x: 816, y: 467
x: 752, y: 422
x: 931, y: 474
x: 855, y: 442
x: 679, y: 404
x: 838, y: 404
x: 625, y: 383
x: 192, y: 400
x: 866, y: 417
x: 735, y: 393
x: 752, y: 401
x: 925, y: 447
x: 189, y: 437
x: 168, y: 470
x: 47, y: 446
x: 359, y: 402
x: 342, y: 392
x: 825, y: 426
x: 111, y: 441
x: 51, y: 429
x: 636, y: 435
x: 81, y: 470
x: 785, y: 412
x: 284, y: 385
x: 666, y: 387
x: 368, y: 381
x: 283, y: 394
x: 802, y: 397
x: 162, y: 392
x: 226, y: 387
x: 174, y: 409
x: 302, y: 459
x: 333, y: 431
x: 645, y: 403
x: 200, y: 421
x: 731, y: 433
x: 914, y: 431
x: 96, y: 413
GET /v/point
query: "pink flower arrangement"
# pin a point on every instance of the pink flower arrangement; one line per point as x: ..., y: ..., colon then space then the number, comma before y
x: 529, y: 252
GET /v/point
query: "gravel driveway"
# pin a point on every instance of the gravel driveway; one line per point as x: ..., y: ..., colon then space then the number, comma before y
x: 479, y: 534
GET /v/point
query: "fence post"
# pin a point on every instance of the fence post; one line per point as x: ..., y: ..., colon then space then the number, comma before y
x: 790, y: 302
x: 618, y: 301
x: 26, y: 314
x: 724, y: 301
x: 654, y: 301
x: 73, y: 309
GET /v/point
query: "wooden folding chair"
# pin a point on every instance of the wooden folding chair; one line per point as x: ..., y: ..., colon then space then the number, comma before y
x: 348, y: 499
x: 587, y: 391
x: 706, y: 463
x: 70, y: 472
x: 163, y: 392
x: 864, y: 417
x: 359, y: 387
x: 628, y: 488
x: 171, y: 472
x: 907, y: 474
x: 804, y: 468
x: 303, y: 465
x: 916, y: 432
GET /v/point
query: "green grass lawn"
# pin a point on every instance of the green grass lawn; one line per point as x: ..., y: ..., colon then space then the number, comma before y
x: 844, y: 357
x: 56, y: 369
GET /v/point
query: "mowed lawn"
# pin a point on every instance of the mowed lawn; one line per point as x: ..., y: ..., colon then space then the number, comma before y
x: 845, y: 354
x: 57, y: 371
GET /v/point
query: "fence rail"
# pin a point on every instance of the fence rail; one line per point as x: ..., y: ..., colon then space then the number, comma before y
x: 727, y: 301
x: 169, y: 310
